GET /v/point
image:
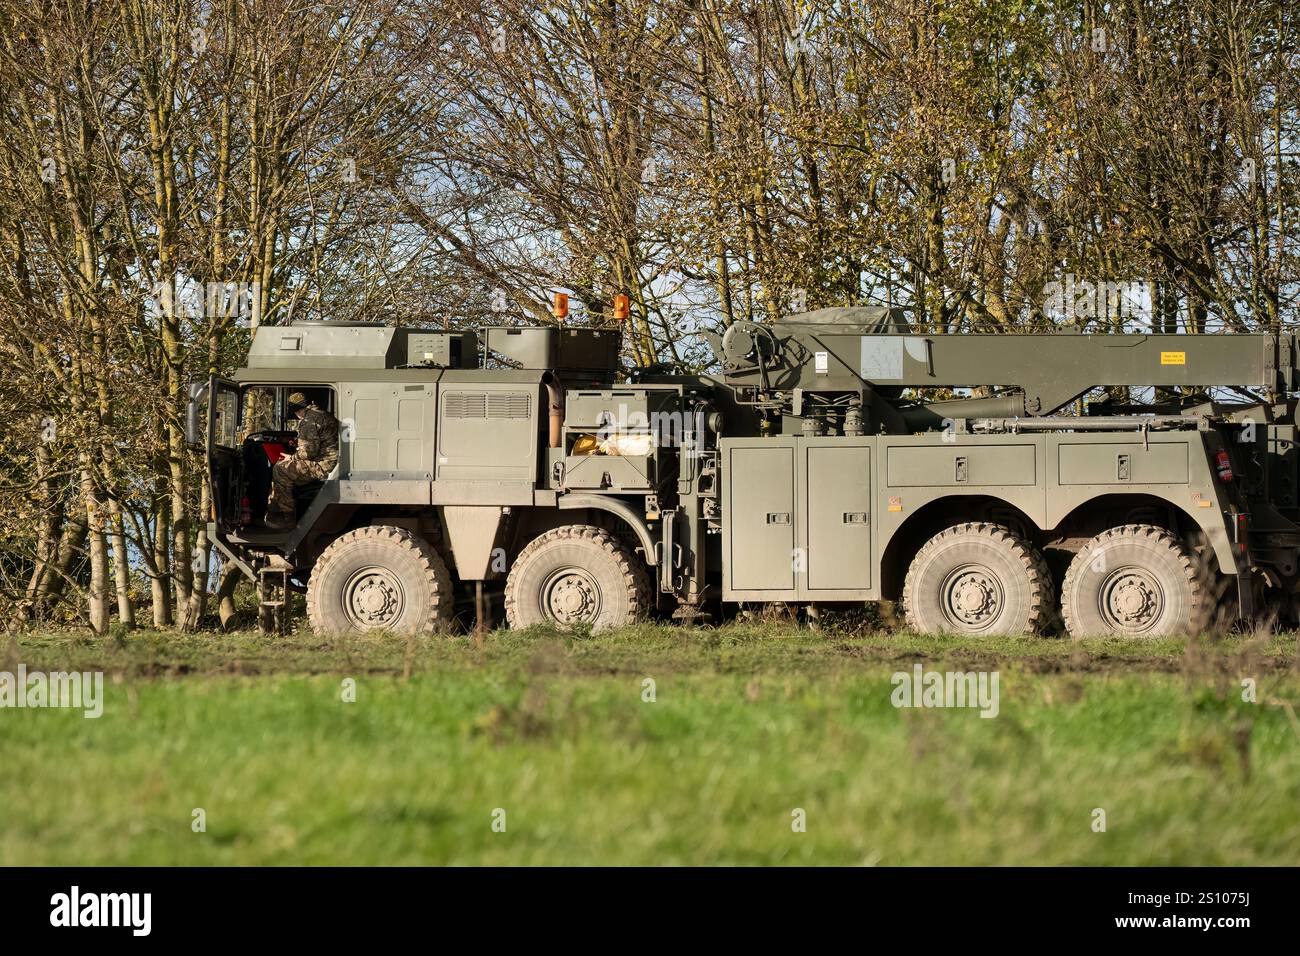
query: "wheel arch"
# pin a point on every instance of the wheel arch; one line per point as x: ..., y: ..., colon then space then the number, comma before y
x: 619, y: 509
x: 933, y: 517
x: 1110, y: 510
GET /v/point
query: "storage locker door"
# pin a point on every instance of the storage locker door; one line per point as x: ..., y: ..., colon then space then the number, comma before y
x: 839, y: 518
x: 761, y: 518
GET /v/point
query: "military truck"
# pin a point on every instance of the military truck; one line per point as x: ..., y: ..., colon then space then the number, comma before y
x: 817, y: 464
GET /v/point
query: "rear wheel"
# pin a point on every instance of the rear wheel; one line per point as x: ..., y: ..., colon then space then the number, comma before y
x: 1138, y: 581
x: 577, y: 575
x: 976, y: 579
x: 379, y: 578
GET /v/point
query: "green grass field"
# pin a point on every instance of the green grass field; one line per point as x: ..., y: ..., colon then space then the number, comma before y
x: 749, y: 724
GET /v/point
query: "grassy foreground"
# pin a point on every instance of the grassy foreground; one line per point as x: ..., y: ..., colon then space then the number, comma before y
x: 749, y: 724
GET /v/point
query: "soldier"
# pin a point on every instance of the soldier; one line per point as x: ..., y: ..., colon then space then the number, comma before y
x: 317, y: 454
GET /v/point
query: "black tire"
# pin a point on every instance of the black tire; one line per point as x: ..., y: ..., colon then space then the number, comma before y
x: 578, y: 574
x: 977, y: 579
x: 379, y: 578
x: 1137, y: 581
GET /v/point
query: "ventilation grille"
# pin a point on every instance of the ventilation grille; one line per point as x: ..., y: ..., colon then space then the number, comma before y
x: 487, y: 405
x: 508, y: 405
x: 465, y: 405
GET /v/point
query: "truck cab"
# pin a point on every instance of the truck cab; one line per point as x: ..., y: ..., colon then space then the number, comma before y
x: 250, y: 429
x: 462, y: 454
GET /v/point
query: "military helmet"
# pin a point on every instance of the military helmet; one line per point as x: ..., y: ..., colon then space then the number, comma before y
x: 297, y: 400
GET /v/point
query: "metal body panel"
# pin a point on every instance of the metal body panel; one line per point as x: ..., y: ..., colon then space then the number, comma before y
x: 371, y: 488
x: 488, y: 432
x: 565, y: 349
x: 619, y: 409
x: 1054, y: 494
x: 442, y: 349
x: 838, y: 499
x: 991, y: 462
x: 471, y: 532
x: 606, y: 414
x: 797, y: 519
x: 1121, y: 462
x: 303, y: 346
x: 311, y: 375
x: 386, y: 427
x: 482, y: 492
x: 620, y: 509
x: 1200, y: 496
x: 759, y: 518
x: 326, y: 345
x: 612, y: 472
x: 896, y: 504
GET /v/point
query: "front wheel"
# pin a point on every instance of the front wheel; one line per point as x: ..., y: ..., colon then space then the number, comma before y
x: 379, y: 578
x: 1136, y: 581
x: 576, y: 575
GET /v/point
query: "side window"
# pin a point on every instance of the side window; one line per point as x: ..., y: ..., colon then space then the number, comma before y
x: 226, y: 418
x: 321, y: 397
x: 261, y: 410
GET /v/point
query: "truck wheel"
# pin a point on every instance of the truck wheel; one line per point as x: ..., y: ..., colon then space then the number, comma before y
x: 379, y: 578
x: 977, y: 579
x: 577, y: 574
x: 1136, y: 580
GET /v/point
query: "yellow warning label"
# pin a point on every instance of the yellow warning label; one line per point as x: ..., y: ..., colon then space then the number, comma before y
x: 1173, y: 358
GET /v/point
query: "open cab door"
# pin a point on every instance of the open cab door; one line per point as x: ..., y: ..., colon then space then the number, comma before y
x: 225, y: 459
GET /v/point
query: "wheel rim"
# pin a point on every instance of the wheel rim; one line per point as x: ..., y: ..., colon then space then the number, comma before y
x: 972, y: 597
x: 571, y: 596
x: 1131, y: 600
x: 373, y: 597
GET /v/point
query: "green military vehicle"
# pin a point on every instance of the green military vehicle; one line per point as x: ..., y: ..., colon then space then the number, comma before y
x: 806, y: 469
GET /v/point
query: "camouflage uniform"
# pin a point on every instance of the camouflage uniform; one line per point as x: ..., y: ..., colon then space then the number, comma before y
x: 318, y: 453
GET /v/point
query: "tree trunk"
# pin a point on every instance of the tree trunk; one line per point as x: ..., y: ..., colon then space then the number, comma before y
x: 121, y: 565
x: 226, y: 584
x: 162, y: 595
x: 71, y: 545
x: 97, y: 608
